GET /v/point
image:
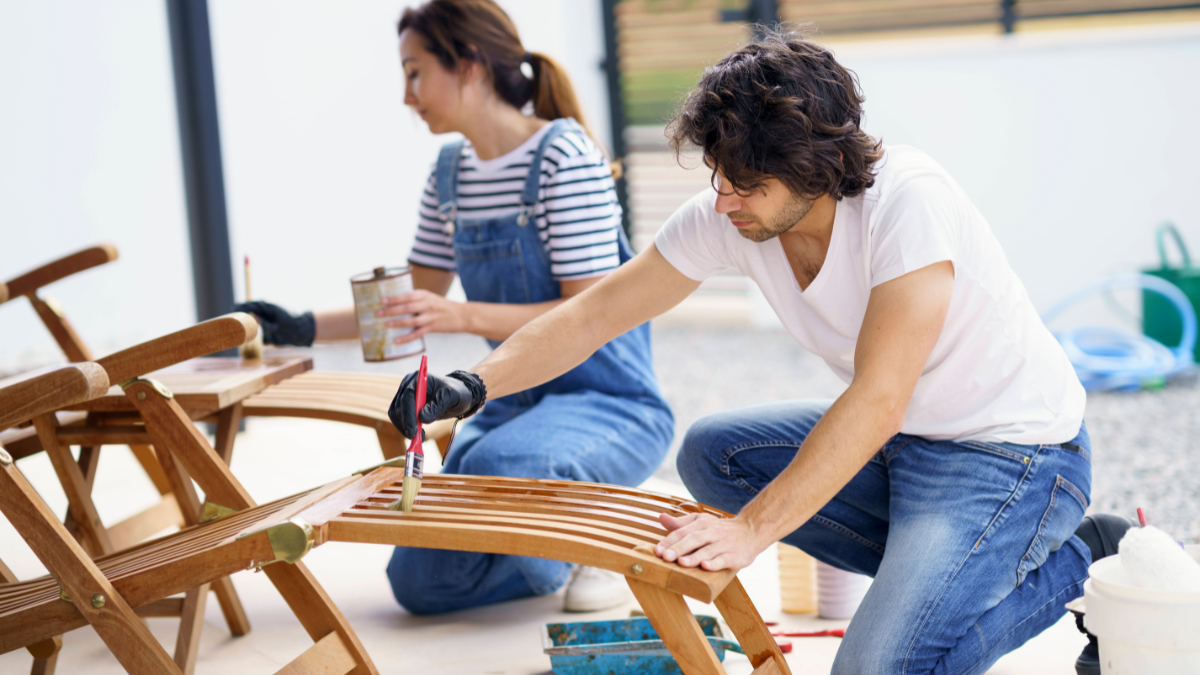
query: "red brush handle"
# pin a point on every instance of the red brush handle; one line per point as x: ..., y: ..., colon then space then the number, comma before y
x: 836, y: 632
x: 415, y: 445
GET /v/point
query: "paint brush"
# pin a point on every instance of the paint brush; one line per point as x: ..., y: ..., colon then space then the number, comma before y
x: 414, y: 460
x: 254, y: 348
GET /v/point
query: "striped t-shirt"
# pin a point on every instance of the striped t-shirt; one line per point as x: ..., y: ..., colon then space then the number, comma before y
x: 577, y: 214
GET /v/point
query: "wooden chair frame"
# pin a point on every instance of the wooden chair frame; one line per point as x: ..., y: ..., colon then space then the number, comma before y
x: 603, y: 526
x: 360, y: 399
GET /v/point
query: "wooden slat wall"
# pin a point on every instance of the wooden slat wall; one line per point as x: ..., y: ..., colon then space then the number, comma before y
x: 1043, y: 8
x: 864, y: 15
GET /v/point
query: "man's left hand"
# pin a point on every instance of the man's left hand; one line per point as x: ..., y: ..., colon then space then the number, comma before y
x: 710, y: 543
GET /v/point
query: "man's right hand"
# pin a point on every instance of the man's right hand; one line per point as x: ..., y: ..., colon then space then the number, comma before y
x: 280, y: 327
x: 459, y: 394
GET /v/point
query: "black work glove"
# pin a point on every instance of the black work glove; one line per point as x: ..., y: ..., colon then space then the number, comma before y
x: 278, y: 326
x: 459, y: 394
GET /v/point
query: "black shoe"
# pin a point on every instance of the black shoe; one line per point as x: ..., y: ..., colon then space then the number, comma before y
x: 1102, y: 533
x: 1088, y: 662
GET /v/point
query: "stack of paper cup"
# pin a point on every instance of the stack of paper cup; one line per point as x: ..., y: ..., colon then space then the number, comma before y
x: 838, y: 592
x: 797, y: 580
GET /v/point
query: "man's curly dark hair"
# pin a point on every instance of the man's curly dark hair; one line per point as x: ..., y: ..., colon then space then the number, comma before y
x: 781, y: 108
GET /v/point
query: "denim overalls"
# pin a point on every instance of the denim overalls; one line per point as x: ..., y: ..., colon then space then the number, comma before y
x: 604, y: 421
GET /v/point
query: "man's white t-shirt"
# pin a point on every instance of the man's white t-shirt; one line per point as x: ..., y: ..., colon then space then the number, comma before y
x: 995, y: 374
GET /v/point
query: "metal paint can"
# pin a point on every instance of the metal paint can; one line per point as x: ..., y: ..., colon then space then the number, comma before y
x: 379, y: 339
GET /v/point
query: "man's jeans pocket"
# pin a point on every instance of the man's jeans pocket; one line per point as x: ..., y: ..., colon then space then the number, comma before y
x: 1058, y: 524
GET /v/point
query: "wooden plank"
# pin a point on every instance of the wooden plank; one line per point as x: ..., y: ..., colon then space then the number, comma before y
x: 167, y: 607
x: 146, y: 457
x: 141, y: 526
x: 46, y: 390
x: 231, y: 607
x: 170, y: 427
x: 228, y: 421
x: 328, y: 656
x: 699, y: 584
x: 74, y: 485
x: 105, y: 435
x: 74, y: 263
x: 317, y: 613
x: 678, y: 628
x: 214, y: 335
x: 749, y: 630
x: 60, y: 329
x: 115, y: 622
x: 191, y: 623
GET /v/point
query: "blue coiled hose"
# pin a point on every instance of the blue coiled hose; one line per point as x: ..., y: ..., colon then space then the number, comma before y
x: 1107, y: 357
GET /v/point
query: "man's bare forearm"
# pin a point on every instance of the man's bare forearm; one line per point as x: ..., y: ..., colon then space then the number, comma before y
x: 543, y: 349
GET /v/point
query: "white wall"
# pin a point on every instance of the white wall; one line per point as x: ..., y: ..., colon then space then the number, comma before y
x: 89, y: 152
x: 1073, y: 145
x: 323, y: 163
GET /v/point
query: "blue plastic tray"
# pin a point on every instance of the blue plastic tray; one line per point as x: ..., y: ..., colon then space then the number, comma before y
x: 625, y: 646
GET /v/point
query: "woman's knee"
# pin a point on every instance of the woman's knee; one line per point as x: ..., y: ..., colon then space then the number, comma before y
x: 406, y: 576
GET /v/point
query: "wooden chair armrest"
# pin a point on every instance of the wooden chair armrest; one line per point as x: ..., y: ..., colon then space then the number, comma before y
x: 214, y: 335
x: 64, y: 267
x: 3, y: 293
x: 51, y: 391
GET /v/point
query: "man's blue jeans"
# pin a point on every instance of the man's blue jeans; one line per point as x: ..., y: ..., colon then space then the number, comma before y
x: 971, y: 544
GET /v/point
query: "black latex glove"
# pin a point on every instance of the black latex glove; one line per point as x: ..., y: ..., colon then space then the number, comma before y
x: 459, y: 394
x: 278, y: 326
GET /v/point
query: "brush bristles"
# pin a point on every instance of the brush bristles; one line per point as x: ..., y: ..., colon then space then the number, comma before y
x: 408, y: 493
x: 253, y: 349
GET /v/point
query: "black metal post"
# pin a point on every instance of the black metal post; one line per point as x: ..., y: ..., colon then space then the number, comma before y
x: 1008, y: 15
x: 616, y: 105
x: 200, y: 145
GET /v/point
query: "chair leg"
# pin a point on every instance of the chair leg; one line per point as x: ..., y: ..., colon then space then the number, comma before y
x: 228, y: 421
x: 145, y: 456
x: 191, y: 621
x: 678, y: 628
x: 749, y: 630
x: 45, y: 655
x: 390, y: 442
x: 93, y: 594
x: 317, y: 613
x: 231, y: 607
x: 74, y: 484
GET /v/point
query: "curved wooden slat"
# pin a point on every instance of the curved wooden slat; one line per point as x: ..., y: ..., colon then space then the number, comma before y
x: 214, y: 335
x: 74, y: 263
x: 47, y: 390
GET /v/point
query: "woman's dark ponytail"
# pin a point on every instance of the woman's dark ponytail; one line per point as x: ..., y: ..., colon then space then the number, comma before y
x: 479, y: 31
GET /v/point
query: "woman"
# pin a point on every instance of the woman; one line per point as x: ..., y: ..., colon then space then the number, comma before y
x: 524, y: 211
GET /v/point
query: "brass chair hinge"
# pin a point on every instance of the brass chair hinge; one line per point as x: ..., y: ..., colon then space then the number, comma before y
x: 290, y: 540
x: 214, y: 512
x: 154, y: 384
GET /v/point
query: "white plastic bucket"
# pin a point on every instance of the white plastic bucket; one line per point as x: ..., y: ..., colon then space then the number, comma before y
x: 1141, y: 631
x: 839, y: 592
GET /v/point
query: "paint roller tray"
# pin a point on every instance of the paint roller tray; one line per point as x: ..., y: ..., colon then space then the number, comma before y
x: 621, y: 646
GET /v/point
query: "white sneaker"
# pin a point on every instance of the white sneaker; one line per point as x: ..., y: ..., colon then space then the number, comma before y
x: 592, y: 589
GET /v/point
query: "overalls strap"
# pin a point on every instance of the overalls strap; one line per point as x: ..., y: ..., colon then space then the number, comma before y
x: 447, y: 180
x: 529, y: 197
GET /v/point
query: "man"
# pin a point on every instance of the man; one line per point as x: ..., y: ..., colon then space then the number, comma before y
x: 955, y: 467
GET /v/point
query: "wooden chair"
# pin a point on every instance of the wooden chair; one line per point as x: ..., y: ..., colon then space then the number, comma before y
x: 599, y: 525
x: 361, y: 399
